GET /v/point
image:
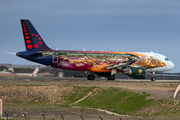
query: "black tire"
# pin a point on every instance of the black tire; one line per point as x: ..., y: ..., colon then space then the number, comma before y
x: 153, y: 79
x: 90, y: 77
x: 111, y: 77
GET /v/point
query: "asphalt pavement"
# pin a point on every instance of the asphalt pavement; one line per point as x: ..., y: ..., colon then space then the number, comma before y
x: 76, y: 78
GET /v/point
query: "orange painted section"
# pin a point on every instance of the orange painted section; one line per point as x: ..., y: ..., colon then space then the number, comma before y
x: 100, y: 69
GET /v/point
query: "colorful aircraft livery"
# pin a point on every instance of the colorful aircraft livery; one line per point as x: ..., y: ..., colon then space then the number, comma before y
x: 105, y: 64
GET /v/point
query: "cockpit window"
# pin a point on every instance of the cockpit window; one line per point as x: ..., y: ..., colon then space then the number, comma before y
x: 166, y: 59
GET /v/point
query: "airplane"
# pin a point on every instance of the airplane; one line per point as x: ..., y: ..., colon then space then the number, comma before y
x: 102, y: 63
x: 4, y: 71
x: 33, y: 74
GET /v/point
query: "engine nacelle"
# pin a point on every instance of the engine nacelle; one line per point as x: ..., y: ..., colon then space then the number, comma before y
x: 135, y: 72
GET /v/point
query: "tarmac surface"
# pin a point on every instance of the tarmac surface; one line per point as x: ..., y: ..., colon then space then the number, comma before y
x: 11, y: 77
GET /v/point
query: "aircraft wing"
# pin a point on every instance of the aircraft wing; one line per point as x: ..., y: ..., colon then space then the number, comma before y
x: 120, y: 65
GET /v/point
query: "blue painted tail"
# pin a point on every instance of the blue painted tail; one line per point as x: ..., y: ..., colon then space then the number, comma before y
x: 33, y: 41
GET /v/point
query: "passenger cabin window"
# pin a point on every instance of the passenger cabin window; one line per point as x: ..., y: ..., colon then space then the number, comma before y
x: 166, y: 59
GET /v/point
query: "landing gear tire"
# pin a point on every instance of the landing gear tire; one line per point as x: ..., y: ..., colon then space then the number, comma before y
x: 90, y: 77
x: 111, y: 77
x: 153, y: 78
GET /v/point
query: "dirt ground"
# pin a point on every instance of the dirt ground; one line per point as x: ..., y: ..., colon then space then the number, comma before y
x: 157, y: 89
x: 50, y: 88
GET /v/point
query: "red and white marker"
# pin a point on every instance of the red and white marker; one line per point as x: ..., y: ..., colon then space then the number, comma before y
x: 0, y: 107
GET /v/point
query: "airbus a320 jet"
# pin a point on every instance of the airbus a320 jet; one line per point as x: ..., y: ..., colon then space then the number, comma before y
x: 105, y: 64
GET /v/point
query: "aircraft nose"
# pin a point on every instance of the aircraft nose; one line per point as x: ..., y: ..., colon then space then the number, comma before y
x: 171, y: 65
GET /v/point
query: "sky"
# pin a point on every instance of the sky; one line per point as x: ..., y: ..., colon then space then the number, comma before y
x: 108, y: 25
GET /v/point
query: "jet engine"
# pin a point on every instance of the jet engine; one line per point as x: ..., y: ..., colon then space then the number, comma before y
x: 135, y: 72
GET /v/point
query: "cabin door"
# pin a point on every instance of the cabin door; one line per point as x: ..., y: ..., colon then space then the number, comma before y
x: 158, y: 57
x: 55, y: 58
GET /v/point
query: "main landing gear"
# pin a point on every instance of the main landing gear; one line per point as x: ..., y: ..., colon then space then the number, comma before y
x: 90, y: 77
x: 153, y: 77
x: 111, y: 77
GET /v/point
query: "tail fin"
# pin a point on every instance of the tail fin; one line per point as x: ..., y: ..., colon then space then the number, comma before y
x: 36, y: 71
x: 33, y: 41
x: 4, y: 71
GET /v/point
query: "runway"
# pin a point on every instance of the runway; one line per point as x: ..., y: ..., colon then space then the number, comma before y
x: 77, y: 78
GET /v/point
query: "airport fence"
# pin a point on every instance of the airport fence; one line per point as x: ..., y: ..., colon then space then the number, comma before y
x: 41, y: 116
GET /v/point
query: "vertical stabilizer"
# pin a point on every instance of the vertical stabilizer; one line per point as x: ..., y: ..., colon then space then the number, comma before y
x: 32, y: 39
x: 36, y: 71
x: 4, y: 71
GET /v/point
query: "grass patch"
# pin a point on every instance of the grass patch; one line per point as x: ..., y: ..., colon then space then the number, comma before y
x: 78, y: 93
x: 116, y: 100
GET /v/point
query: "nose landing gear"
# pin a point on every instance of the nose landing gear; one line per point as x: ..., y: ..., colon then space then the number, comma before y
x: 153, y: 77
